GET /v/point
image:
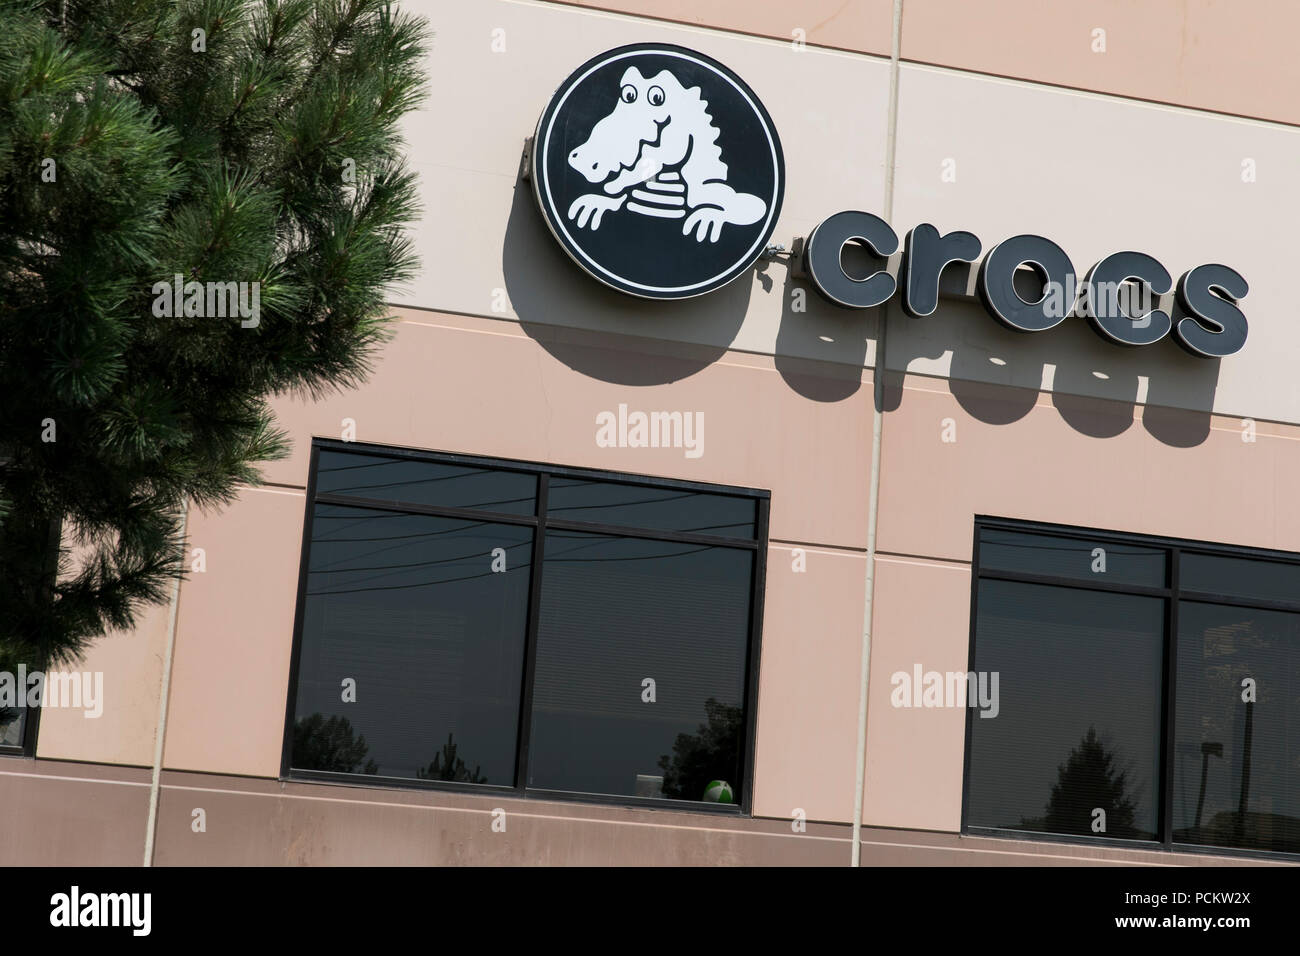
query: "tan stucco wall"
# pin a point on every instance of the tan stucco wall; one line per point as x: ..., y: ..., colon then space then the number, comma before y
x: 1230, y: 56
x: 502, y: 347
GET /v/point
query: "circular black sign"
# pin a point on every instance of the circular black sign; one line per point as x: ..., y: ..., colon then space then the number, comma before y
x: 659, y: 171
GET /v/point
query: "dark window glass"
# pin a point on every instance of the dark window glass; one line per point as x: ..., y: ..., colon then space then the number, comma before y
x: 1240, y: 577
x: 615, y: 612
x: 410, y: 608
x: 12, y: 722
x: 659, y: 509
x: 1103, y: 562
x: 419, y: 482
x: 1237, y: 757
x: 1078, y: 716
x: 417, y: 631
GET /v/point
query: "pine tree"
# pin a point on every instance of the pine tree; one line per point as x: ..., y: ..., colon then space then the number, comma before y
x: 448, y: 766
x: 700, y: 758
x: 330, y: 743
x: 221, y: 141
x: 1090, y: 780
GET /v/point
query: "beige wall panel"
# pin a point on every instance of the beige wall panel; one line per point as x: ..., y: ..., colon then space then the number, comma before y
x: 1021, y: 454
x: 482, y: 387
x: 234, y: 637
x: 1098, y: 175
x: 131, y: 663
x: 808, y: 693
x: 864, y: 25
x: 1234, y: 56
x: 485, y: 249
x: 257, y: 824
x: 62, y: 814
x: 915, y: 754
x: 901, y: 848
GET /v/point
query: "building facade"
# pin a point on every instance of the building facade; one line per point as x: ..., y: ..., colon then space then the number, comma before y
x: 748, y: 577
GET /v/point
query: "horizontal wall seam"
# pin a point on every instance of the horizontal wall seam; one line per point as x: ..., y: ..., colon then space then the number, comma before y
x: 1044, y: 400
x: 1107, y: 861
x: 832, y: 550
x: 901, y: 557
x: 50, y: 776
x: 519, y: 813
x: 670, y: 343
x: 867, y: 370
x: 1203, y: 111
x: 700, y: 28
x: 884, y: 58
x: 275, y: 488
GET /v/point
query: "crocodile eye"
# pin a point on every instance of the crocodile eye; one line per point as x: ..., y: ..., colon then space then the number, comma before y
x: 655, y: 95
x: 628, y: 94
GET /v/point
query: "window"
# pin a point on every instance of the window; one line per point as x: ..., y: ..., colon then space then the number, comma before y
x: 13, y: 730
x: 18, y: 715
x: 20, y: 688
x: 1149, y: 690
x: 503, y: 626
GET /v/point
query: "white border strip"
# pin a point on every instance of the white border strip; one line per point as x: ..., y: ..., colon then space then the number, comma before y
x: 163, y: 695
x: 877, y: 424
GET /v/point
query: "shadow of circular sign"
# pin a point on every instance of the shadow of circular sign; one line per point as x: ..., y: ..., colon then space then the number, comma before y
x: 659, y: 171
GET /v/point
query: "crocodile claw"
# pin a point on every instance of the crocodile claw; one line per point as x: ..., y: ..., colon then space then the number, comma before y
x: 705, y: 222
x: 592, y: 207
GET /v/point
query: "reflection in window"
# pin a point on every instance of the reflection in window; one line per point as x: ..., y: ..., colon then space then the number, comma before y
x: 1237, y: 766
x: 13, y: 720
x: 663, y: 509
x: 422, y: 610
x: 1103, y: 562
x: 1087, y: 672
x: 1078, y: 729
x: 617, y: 612
x: 1240, y: 577
x: 421, y: 482
x: 408, y: 609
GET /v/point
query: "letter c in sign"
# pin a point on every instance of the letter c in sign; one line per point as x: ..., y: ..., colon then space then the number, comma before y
x: 998, y: 290
x: 1105, y: 310
x: 822, y: 259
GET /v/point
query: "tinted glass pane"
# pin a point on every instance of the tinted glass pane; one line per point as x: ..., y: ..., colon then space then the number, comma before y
x: 425, y: 483
x: 1240, y: 577
x: 662, y: 509
x: 1078, y: 711
x: 12, y: 720
x: 614, y: 612
x: 410, y: 608
x: 1071, y: 558
x: 1237, y: 761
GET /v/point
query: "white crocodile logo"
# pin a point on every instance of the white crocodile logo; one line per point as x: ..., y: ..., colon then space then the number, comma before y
x: 657, y: 154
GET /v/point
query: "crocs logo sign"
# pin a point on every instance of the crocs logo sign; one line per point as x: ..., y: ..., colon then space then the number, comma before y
x: 1029, y: 284
x: 660, y: 173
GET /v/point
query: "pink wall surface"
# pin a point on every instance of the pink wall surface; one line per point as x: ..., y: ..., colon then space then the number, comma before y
x: 131, y: 664
x: 808, y: 700
x: 1024, y: 454
x: 229, y: 686
x: 863, y: 25
x: 1233, y: 56
x: 458, y: 384
x: 1230, y: 56
x: 230, y: 677
x: 503, y: 348
x: 914, y: 766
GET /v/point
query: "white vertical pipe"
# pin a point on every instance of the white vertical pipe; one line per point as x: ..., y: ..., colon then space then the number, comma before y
x: 877, y: 423
x: 159, y: 739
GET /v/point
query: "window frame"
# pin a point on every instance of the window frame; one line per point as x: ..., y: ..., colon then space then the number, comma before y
x: 540, y: 523
x: 1172, y: 594
x: 26, y: 749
